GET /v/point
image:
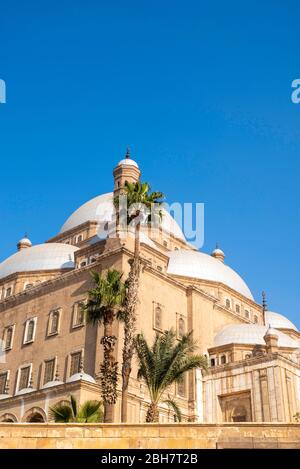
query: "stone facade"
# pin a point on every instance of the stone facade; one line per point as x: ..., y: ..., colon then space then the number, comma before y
x: 242, y: 382
x: 149, y: 436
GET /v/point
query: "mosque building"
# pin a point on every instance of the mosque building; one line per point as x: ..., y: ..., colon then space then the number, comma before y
x: 49, y: 352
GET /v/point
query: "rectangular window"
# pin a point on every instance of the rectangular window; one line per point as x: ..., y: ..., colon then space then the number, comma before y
x: 78, y: 314
x: 49, y: 370
x: 75, y: 363
x: 3, y: 381
x: 24, y: 378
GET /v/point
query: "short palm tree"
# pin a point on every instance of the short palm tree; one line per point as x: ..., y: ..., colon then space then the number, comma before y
x: 140, y: 204
x: 88, y: 412
x: 105, y: 302
x: 164, y: 364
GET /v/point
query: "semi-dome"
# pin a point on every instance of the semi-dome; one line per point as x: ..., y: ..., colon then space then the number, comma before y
x: 278, y: 321
x: 81, y: 376
x: 195, y: 264
x: 250, y: 334
x: 48, y: 256
x: 101, y: 209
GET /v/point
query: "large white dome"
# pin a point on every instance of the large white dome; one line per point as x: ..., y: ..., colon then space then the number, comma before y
x: 278, y: 321
x: 101, y: 209
x: 250, y: 334
x: 48, y: 256
x: 199, y: 265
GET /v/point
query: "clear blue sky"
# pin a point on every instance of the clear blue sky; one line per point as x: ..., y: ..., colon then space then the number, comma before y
x: 200, y: 91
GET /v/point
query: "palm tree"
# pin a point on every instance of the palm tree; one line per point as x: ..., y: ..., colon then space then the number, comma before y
x: 104, y: 303
x: 164, y: 364
x: 88, y: 412
x: 140, y: 209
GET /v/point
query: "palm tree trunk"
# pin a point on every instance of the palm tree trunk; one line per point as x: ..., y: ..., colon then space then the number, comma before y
x: 109, y: 370
x: 152, y: 413
x: 130, y: 320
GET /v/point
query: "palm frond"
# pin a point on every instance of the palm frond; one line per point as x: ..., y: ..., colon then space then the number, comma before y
x: 174, y: 406
x: 61, y: 413
x: 90, y: 412
x: 73, y: 405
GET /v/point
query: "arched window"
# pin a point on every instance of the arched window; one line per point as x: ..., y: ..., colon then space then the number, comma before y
x: 8, y: 292
x: 256, y: 319
x: 158, y: 318
x: 36, y: 418
x: 181, y: 327
x: 228, y: 303
x: 247, y: 314
x: 212, y: 362
x: 79, y: 238
x: 29, y: 331
x: 223, y: 359
x: 237, y: 309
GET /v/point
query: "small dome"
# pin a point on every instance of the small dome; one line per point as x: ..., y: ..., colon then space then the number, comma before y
x: 51, y: 384
x: 271, y: 331
x: 25, y: 242
x: 218, y: 254
x: 278, y: 321
x: 199, y: 265
x: 81, y: 376
x: 48, y: 256
x: 128, y: 162
x: 250, y: 334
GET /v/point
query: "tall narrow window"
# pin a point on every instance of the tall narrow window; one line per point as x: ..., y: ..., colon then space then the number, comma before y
x: 181, y: 387
x: 8, y: 292
x: 247, y: 314
x: 24, y: 378
x: 53, y: 322
x: 158, y: 318
x: 8, y: 337
x: 223, y: 359
x: 29, y: 330
x: 75, y: 363
x: 228, y: 303
x: 256, y: 319
x: 181, y: 328
x: 78, y: 314
x: 238, y: 309
x: 3, y: 381
x: 49, y: 370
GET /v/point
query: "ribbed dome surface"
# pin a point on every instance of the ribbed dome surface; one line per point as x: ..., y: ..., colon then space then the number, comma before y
x: 199, y: 265
x: 48, y: 256
x: 250, y: 334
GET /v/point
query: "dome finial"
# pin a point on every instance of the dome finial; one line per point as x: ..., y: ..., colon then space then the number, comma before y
x: 264, y: 301
x: 127, y: 156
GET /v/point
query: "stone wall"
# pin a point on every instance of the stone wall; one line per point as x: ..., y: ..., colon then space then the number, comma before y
x: 149, y: 436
